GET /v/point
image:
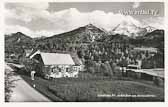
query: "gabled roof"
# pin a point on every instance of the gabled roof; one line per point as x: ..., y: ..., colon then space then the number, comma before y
x: 56, y: 59
x: 76, y: 59
x: 31, y: 55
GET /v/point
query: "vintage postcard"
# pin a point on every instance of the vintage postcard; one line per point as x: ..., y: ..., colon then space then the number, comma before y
x: 84, y: 51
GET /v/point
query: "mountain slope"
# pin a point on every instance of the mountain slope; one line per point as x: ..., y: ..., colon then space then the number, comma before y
x: 85, y: 34
x: 18, y: 40
x: 152, y: 39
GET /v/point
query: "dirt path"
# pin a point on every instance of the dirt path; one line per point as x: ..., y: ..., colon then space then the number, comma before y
x: 23, y: 92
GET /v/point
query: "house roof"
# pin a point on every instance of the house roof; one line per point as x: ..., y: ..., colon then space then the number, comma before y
x: 76, y: 59
x: 31, y: 55
x: 56, y: 59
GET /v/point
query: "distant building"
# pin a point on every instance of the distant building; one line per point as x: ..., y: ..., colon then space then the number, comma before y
x: 146, y: 49
x: 146, y: 52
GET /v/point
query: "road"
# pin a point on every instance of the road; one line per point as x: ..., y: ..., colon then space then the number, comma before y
x: 23, y: 92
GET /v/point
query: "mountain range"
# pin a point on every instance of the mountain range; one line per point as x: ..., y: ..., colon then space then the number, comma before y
x: 89, y: 33
x: 131, y: 29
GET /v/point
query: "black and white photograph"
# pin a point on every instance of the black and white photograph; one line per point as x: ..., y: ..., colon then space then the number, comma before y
x: 84, y: 52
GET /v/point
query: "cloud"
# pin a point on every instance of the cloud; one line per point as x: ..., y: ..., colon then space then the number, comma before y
x: 157, y: 22
x: 136, y: 5
x: 46, y: 33
x: 17, y: 28
x: 35, y: 19
x: 26, y: 11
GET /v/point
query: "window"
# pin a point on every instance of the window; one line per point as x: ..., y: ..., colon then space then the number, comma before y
x: 75, y: 68
x: 132, y: 67
x: 67, y: 69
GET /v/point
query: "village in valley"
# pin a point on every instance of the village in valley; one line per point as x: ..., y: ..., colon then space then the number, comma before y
x: 86, y: 64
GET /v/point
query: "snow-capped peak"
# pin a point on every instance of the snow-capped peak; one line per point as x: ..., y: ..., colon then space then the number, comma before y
x: 150, y: 28
x: 131, y: 29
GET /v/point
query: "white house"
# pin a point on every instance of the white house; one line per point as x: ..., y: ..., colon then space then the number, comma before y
x: 56, y: 65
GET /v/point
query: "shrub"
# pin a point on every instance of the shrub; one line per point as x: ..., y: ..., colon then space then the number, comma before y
x: 91, y: 70
x: 106, y: 69
x: 8, y: 85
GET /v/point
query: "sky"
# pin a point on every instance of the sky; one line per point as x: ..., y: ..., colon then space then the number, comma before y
x: 49, y: 18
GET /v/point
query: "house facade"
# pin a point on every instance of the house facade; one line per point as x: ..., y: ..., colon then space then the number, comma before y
x: 55, y: 65
x: 79, y: 66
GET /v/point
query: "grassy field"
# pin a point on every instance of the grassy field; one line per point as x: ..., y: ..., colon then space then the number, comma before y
x: 89, y: 89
